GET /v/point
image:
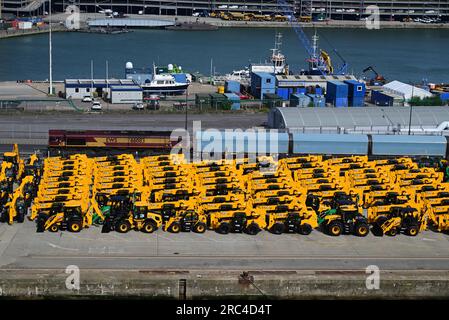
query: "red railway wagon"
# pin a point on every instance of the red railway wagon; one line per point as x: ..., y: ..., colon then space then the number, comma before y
x: 156, y: 141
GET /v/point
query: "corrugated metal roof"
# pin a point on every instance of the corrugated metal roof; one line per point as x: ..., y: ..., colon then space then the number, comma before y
x: 359, y: 117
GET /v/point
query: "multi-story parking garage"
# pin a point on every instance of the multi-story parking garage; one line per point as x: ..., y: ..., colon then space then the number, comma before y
x: 333, y: 9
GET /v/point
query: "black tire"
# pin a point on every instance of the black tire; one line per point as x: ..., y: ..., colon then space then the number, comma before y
x: 361, y: 229
x: 74, y: 226
x: 20, y: 217
x: 4, y: 216
x: 53, y: 228
x: 200, y: 227
x: 277, y: 228
x: 305, y: 229
x: 149, y: 227
x: 253, y: 229
x: 392, y: 232
x: 175, y: 227
x: 412, y: 230
x: 224, y: 228
x: 122, y: 226
x: 335, y: 228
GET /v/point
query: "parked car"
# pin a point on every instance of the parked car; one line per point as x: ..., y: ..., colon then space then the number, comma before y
x: 96, y: 106
x: 87, y: 99
x: 138, y: 106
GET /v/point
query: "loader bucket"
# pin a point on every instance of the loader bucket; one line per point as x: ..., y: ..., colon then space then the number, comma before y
x: 106, y: 226
x: 377, y: 230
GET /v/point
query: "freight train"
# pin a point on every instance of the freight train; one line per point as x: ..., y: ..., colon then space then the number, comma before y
x: 260, y: 142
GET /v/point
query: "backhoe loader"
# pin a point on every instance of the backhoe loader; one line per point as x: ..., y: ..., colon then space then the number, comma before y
x: 399, y: 219
x: 175, y: 194
x: 16, y: 209
x: 343, y: 216
x: 123, y: 216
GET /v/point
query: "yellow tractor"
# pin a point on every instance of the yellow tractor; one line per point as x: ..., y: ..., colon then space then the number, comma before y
x: 400, y: 219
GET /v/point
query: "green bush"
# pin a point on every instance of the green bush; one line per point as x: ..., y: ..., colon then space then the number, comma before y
x: 428, y: 101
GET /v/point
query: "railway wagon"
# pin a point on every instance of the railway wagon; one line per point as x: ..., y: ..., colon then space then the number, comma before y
x: 108, y: 140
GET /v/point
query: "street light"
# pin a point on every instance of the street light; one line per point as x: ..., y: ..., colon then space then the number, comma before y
x: 411, y: 110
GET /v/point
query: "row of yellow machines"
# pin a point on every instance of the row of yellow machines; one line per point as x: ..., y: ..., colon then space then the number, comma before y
x: 346, y: 195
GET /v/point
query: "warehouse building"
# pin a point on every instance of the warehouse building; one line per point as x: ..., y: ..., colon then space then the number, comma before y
x: 79, y: 88
x: 358, y: 120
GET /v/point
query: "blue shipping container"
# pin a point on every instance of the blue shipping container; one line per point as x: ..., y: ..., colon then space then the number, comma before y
x: 283, y: 93
x: 381, y: 98
x: 355, y: 88
x: 357, y: 101
x: 232, y: 86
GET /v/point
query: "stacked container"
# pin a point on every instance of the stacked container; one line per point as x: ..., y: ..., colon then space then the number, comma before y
x: 337, y: 93
x: 356, y: 93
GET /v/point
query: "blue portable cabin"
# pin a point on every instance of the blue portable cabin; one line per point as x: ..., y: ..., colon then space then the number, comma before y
x: 356, y: 93
x: 262, y: 83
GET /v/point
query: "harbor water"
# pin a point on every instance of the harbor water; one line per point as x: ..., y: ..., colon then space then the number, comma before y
x: 402, y: 54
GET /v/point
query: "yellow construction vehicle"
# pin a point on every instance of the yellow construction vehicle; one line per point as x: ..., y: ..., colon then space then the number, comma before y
x: 122, y: 218
x: 222, y: 206
x: 301, y: 221
x: 70, y: 215
x: 343, y: 216
x: 17, y: 163
x: 399, y: 219
x: 16, y: 209
x: 250, y: 221
x: 189, y: 220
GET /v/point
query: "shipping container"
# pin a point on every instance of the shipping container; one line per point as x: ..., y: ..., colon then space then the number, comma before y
x: 232, y: 86
x: 284, y: 93
x: 337, y: 93
x: 381, y: 98
x: 203, y: 100
x: 340, y: 102
x: 300, y: 100
x: 218, y: 100
x: 301, y: 90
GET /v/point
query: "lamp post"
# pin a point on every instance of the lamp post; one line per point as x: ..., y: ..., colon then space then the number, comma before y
x: 411, y: 111
x: 50, y: 62
x: 187, y: 97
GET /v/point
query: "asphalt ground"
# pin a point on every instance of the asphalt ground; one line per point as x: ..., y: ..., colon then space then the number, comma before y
x: 22, y: 248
